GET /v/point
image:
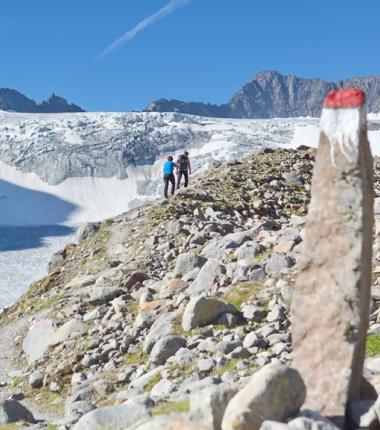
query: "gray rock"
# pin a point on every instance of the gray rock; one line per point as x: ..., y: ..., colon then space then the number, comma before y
x: 228, y: 346
x: 87, y: 230
x: 113, y: 417
x: 275, y: 392
x: 74, y: 410
x: 206, y: 278
x: 373, y: 364
x: 37, y: 339
x: 101, y: 295
x: 257, y: 274
x: 166, y: 422
x: 70, y: 330
x: 163, y: 388
x: 201, y: 311
x: 228, y: 319
x: 163, y: 326
x: 165, y: 348
x: 292, y: 179
x: 273, y: 425
x: 251, y: 340
x: 36, y: 379
x: 11, y: 411
x: 57, y: 259
x: 206, y: 365
x: 141, y: 382
x: 184, y: 357
x: 207, y: 406
x: 277, y: 313
x: 277, y: 262
x: 254, y: 313
x: 187, y: 262
x: 249, y: 251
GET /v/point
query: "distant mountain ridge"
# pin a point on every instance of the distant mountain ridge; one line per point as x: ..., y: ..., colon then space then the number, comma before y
x: 14, y: 101
x: 270, y: 94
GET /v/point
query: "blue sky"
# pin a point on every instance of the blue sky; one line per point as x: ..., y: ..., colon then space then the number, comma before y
x: 203, y: 50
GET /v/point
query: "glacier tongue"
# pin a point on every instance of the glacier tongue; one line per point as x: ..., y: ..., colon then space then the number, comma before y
x: 72, y: 168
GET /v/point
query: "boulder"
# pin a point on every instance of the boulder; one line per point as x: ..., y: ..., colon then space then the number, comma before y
x: 163, y: 326
x: 11, y: 411
x: 206, y: 278
x: 208, y: 405
x: 112, y: 417
x: 201, y: 311
x: 277, y: 262
x: 134, y: 278
x: 187, y: 262
x: 70, y: 330
x: 101, y: 295
x: 87, y: 230
x: 165, y: 348
x: 37, y: 340
x: 276, y: 392
x: 36, y: 379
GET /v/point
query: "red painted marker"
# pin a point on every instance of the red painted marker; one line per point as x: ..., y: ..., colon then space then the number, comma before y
x: 349, y: 98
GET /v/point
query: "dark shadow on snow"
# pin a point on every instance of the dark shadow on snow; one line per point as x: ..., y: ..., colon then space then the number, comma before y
x: 37, y: 215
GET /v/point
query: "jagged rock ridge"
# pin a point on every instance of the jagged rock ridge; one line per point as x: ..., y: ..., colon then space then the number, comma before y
x: 12, y: 100
x: 271, y: 94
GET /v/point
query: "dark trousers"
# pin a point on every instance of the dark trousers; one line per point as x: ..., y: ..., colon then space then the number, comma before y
x: 169, y: 178
x: 185, y: 174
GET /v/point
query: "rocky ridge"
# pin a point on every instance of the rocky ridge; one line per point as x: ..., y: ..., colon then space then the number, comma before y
x: 159, y: 317
x: 14, y: 101
x: 270, y: 94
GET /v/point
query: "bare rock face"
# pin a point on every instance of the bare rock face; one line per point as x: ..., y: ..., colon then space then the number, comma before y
x: 331, y: 299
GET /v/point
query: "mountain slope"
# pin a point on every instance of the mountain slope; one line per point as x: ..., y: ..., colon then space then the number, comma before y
x: 271, y: 94
x: 12, y: 100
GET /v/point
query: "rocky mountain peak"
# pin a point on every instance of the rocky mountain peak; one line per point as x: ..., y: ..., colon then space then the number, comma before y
x: 13, y: 101
x: 270, y: 94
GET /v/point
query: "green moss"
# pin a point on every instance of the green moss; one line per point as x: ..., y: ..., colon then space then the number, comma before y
x: 184, y: 371
x: 47, y: 303
x: 166, y: 408
x: 230, y: 366
x: 15, y: 382
x: 373, y: 345
x: 241, y: 293
x: 136, y: 357
x: 155, y: 380
x: 12, y: 426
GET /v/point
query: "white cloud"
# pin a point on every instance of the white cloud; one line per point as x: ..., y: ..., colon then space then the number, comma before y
x: 142, y: 25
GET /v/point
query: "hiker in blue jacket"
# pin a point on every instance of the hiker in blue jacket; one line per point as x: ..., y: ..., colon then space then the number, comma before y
x: 169, y: 167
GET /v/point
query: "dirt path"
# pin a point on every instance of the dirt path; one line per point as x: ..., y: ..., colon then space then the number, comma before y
x: 12, y: 364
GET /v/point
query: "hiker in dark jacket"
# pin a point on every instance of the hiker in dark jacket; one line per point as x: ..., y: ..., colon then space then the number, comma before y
x: 169, y: 167
x: 183, y: 169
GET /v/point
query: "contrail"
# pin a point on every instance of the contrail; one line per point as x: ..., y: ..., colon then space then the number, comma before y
x: 162, y: 13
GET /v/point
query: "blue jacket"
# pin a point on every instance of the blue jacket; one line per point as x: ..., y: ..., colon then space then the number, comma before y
x: 169, y: 167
